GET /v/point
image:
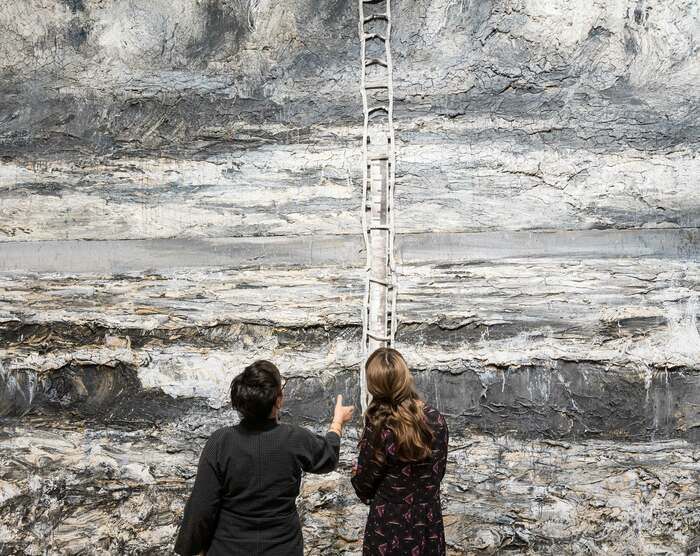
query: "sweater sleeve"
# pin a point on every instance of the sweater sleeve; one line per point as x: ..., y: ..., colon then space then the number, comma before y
x: 319, y: 454
x: 202, y: 509
x: 368, y: 471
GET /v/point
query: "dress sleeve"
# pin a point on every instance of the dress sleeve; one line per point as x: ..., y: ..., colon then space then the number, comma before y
x: 443, y: 442
x: 319, y: 454
x: 368, y: 471
x: 202, y: 509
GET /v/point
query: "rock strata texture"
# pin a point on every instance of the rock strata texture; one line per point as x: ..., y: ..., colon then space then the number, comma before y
x: 180, y: 191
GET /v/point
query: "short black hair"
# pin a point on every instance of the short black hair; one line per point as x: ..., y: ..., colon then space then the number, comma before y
x: 255, y: 390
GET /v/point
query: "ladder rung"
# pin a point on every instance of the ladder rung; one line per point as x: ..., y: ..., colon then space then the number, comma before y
x: 380, y: 282
x: 372, y: 36
x: 379, y: 227
x: 375, y: 62
x: 375, y: 109
x: 373, y: 1
x: 376, y: 85
x: 375, y: 17
x: 378, y: 141
x: 379, y: 155
x: 378, y: 337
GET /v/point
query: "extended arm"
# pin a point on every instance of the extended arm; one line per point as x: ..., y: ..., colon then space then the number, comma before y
x: 321, y: 453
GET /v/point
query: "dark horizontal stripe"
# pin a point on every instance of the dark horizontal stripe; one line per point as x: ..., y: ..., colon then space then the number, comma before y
x: 104, y: 393
x: 112, y: 394
x: 447, y: 333
x: 114, y: 256
x: 70, y: 126
x: 569, y: 399
x: 49, y: 335
x: 555, y: 399
x: 443, y: 333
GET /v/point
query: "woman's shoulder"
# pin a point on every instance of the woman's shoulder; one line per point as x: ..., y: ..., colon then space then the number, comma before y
x: 219, y: 435
x: 433, y: 415
x: 291, y: 428
x: 216, y: 440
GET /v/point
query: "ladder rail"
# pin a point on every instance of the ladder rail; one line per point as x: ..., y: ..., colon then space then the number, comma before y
x: 383, y: 164
x: 392, y: 169
x: 365, y: 302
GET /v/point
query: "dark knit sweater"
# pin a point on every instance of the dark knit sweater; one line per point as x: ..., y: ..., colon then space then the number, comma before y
x: 244, y: 496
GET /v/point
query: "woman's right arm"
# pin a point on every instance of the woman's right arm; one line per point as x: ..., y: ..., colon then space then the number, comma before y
x: 368, y: 471
x: 320, y: 454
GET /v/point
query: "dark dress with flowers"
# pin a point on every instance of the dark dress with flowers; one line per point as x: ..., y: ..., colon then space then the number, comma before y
x: 405, y: 517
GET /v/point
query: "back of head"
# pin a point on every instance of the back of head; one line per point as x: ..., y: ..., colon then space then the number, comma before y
x: 255, y: 391
x: 396, y: 404
x: 388, y: 377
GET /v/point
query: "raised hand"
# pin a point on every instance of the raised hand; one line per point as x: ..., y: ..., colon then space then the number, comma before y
x: 342, y: 413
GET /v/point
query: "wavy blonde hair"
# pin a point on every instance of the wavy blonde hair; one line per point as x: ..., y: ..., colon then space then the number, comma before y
x: 396, y: 406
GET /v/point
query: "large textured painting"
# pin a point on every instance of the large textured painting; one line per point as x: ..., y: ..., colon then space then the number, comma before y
x: 180, y: 194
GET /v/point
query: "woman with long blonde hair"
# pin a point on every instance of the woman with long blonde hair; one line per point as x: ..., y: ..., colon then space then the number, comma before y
x: 401, y: 462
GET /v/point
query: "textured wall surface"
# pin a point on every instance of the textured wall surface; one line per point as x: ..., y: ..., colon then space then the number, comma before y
x: 180, y: 192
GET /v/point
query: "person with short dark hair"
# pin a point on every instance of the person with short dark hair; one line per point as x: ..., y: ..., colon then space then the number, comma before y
x: 244, y: 497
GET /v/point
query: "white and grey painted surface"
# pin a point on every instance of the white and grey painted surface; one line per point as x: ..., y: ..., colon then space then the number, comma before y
x: 180, y: 194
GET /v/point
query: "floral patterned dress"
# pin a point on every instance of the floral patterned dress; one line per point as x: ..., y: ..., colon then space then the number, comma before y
x: 405, y: 517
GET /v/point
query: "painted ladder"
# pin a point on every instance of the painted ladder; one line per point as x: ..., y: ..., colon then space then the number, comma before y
x: 378, y: 177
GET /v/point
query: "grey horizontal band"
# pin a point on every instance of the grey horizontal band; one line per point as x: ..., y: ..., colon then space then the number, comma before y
x: 113, y: 256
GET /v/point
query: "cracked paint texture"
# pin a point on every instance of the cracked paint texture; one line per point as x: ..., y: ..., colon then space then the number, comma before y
x: 180, y: 189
